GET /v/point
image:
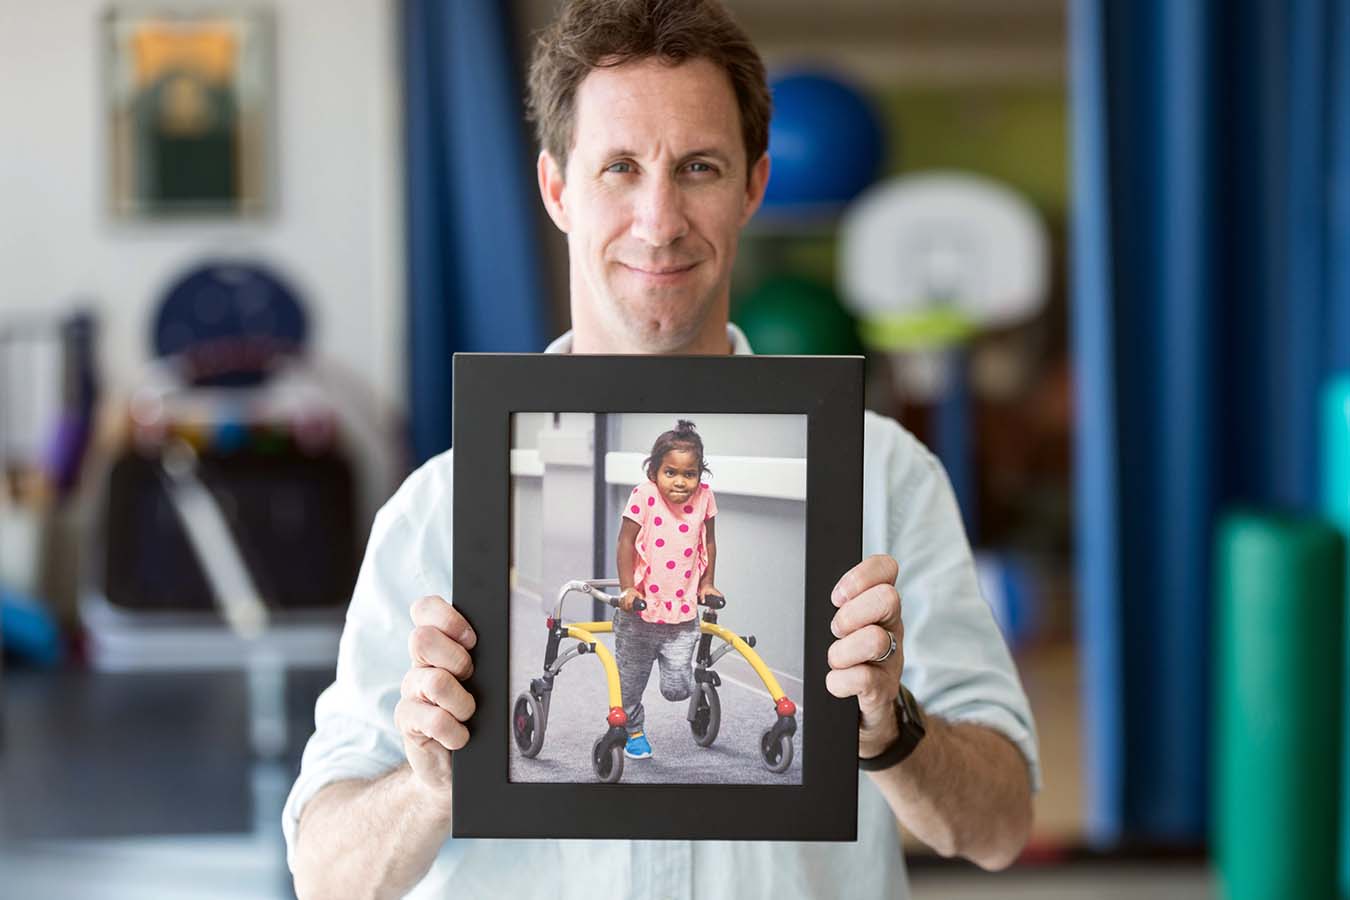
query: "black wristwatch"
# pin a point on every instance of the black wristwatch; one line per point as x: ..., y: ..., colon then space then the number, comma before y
x: 910, y: 719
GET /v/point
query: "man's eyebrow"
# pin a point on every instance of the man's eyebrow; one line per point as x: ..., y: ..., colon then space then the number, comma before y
x: 706, y: 152
x: 711, y: 153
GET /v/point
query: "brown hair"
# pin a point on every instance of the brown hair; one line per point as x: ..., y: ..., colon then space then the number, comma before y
x: 681, y: 437
x: 592, y: 34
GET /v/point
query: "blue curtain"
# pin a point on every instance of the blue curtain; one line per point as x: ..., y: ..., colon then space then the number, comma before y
x: 473, y: 255
x: 1211, y: 301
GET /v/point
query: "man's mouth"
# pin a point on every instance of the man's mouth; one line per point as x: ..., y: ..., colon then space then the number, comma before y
x: 659, y: 273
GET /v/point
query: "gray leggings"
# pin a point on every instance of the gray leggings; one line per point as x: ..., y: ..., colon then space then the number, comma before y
x: 637, y: 644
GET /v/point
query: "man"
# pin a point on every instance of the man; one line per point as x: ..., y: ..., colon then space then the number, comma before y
x: 653, y: 115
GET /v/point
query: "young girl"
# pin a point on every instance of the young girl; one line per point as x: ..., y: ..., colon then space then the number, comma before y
x: 667, y: 554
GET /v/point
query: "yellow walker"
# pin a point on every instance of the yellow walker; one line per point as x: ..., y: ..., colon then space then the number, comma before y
x: 529, y: 715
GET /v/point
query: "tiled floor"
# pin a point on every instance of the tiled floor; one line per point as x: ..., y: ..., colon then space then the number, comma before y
x: 201, y: 867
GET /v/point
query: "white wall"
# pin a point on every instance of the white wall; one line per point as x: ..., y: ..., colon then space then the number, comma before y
x: 723, y: 434
x: 337, y: 232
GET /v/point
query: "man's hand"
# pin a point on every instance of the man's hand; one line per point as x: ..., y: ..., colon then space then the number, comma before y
x: 869, y: 614
x: 434, y: 704
x: 379, y: 837
x: 628, y: 596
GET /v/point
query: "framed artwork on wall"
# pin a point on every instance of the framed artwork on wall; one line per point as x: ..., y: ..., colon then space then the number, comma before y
x: 189, y: 105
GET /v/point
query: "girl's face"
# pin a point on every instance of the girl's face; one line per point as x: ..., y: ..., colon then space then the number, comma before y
x: 677, y: 476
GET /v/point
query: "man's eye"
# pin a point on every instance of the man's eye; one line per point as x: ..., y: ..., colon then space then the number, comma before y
x: 620, y: 168
x: 700, y: 168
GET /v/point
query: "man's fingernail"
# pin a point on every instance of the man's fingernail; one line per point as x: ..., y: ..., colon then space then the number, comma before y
x: 467, y: 637
x: 834, y: 628
x: 837, y: 597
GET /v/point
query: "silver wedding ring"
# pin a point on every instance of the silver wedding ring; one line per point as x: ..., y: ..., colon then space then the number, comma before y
x: 889, y: 650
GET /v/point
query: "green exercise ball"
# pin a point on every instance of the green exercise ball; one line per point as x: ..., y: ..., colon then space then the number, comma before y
x: 795, y: 316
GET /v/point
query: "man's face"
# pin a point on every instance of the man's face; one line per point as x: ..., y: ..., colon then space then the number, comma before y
x: 653, y: 199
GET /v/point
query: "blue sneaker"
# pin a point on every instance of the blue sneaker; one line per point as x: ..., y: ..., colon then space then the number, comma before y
x: 637, y: 747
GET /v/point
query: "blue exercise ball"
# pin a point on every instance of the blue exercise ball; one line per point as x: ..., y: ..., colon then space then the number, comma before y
x: 825, y: 139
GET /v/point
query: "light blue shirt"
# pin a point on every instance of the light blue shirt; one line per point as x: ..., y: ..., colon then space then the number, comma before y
x: 956, y: 664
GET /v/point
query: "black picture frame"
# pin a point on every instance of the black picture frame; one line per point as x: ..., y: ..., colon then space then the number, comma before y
x: 488, y: 390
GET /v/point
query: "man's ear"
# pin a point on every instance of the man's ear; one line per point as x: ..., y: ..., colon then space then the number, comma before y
x: 551, y: 186
x: 754, y: 188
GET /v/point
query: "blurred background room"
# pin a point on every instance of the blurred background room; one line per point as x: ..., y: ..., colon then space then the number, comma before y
x: 1093, y: 250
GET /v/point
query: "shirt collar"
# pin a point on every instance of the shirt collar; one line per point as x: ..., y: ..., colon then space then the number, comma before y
x: 739, y: 345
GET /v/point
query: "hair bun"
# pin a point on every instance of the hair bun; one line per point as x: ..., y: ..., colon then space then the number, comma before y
x: 684, y: 425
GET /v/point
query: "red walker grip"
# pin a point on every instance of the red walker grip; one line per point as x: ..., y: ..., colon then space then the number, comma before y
x: 786, y: 707
x: 617, y: 717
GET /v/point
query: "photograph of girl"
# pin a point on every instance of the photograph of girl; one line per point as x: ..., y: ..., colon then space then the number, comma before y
x: 666, y: 539
x: 628, y: 570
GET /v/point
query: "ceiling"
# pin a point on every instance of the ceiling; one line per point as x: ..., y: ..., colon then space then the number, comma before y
x: 909, y: 20
x: 899, y: 41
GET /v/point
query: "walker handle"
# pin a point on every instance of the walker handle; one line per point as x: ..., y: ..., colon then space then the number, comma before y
x: 638, y: 603
x: 712, y: 601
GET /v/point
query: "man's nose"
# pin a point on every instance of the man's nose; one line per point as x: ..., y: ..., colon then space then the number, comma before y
x: 659, y: 219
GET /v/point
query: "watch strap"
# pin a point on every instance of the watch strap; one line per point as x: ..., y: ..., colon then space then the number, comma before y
x: 910, y: 720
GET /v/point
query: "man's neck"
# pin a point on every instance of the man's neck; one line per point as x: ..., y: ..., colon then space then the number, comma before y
x: 584, y: 341
x: 589, y: 336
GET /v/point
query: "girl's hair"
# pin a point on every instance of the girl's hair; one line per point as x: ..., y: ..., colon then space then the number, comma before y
x: 681, y: 437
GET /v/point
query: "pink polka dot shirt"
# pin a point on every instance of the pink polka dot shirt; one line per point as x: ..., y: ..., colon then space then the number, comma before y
x: 671, y: 556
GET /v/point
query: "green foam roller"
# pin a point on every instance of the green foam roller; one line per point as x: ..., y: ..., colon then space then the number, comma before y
x: 1336, y: 451
x: 1278, y: 636
x: 1336, y: 506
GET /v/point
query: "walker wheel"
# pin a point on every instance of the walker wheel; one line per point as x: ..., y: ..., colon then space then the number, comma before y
x: 777, y: 752
x: 527, y: 725
x: 707, y: 716
x: 607, y: 760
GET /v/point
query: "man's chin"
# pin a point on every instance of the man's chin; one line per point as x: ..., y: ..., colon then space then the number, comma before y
x: 657, y: 335
x: 659, y: 344
x: 661, y: 321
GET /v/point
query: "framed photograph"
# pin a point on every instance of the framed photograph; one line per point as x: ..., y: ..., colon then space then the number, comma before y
x: 189, y: 106
x: 646, y: 547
